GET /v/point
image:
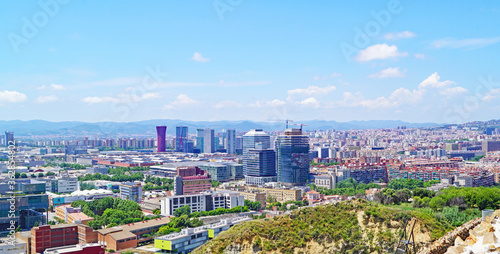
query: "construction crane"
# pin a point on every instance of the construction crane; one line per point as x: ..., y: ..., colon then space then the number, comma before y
x: 284, y: 120
x: 301, y: 125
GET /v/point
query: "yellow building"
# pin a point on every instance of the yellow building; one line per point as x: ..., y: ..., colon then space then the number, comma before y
x: 254, y: 196
x: 281, y: 195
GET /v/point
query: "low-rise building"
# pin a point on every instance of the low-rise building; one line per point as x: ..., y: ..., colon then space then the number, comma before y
x: 77, y: 249
x: 8, y: 246
x: 325, y: 181
x: 87, y: 195
x: 281, y: 195
x: 129, y: 235
x: 97, y: 170
x: 86, y: 234
x: 206, y: 201
x: 72, y: 214
x: 254, y: 196
x: 44, y: 237
x: 190, y: 238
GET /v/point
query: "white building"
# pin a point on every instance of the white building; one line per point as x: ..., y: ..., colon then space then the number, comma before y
x: 170, y: 204
x: 206, y: 201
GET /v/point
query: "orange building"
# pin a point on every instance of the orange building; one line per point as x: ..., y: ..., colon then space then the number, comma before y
x: 129, y: 235
x: 86, y: 234
x: 72, y: 214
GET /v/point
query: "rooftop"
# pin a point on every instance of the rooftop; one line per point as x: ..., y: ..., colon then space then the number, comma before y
x: 136, y: 225
x: 122, y: 235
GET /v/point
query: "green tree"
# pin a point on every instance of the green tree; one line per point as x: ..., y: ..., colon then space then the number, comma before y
x: 184, y: 210
x: 437, y: 203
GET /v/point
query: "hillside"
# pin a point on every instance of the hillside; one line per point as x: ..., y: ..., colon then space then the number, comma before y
x: 104, y: 129
x: 346, y: 227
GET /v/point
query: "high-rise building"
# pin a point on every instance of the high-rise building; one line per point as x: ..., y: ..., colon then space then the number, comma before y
x: 9, y: 137
x: 161, y: 139
x: 261, y: 165
x: 231, y: 141
x: 181, y: 134
x: 205, y: 140
x: 250, y: 139
x: 490, y: 145
x: 292, y: 157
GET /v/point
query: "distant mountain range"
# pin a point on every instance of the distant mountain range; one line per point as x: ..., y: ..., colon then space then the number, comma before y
x: 41, y: 127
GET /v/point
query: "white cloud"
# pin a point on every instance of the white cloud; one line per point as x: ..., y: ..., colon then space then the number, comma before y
x: 276, y: 103
x: 379, y: 51
x: 12, y: 96
x: 471, y: 43
x: 493, y: 94
x: 148, y: 96
x: 199, y: 58
x: 227, y: 104
x: 95, y: 100
x: 419, y: 56
x: 312, y: 90
x: 54, y: 87
x: 434, y: 81
x: 389, y: 73
x: 215, y: 84
x: 121, y: 98
x: 273, y: 103
x: 454, y: 90
x: 46, y: 99
x: 182, y: 100
x: 431, y: 91
x: 310, y: 102
x: 380, y: 102
x: 400, y: 35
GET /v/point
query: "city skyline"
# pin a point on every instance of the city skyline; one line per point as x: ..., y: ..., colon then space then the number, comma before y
x: 330, y: 61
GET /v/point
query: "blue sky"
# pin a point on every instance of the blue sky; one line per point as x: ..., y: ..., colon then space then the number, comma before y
x: 417, y: 61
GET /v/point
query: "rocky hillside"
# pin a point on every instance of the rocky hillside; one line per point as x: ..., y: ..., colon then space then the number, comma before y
x: 347, y: 227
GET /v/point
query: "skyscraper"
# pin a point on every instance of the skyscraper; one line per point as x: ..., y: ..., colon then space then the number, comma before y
x: 260, y: 165
x: 181, y: 134
x: 205, y: 140
x: 161, y: 131
x: 292, y: 157
x: 9, y: 137
x: 250, y: 139
x: 231, y: 141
